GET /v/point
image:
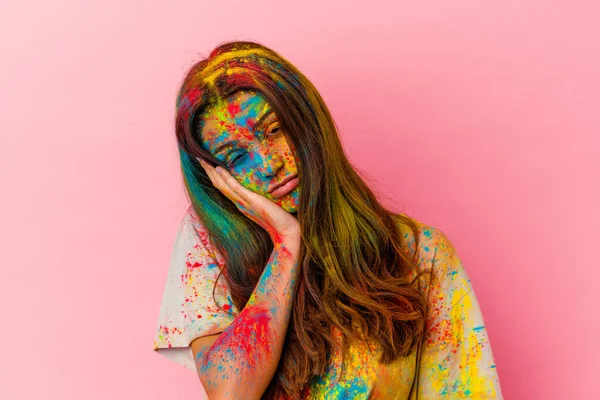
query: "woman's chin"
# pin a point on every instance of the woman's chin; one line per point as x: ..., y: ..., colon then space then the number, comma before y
x: 291, y: 208
x: 288, y: 202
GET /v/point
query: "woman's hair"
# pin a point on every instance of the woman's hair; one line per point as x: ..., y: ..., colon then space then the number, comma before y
x: 354, y: 260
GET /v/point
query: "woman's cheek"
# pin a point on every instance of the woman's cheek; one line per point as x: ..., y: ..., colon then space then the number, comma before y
x: 247, y: 180
x: 247, y: 175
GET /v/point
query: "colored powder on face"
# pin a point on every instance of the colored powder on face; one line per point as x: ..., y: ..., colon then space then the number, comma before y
x: 254, y: 159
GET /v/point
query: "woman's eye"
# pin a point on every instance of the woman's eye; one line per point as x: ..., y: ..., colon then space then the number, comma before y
x: 234, y: 159
x: 274, y: 130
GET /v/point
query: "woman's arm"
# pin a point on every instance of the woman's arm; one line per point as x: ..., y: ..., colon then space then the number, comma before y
x: 457, y: 360
x: 242, y: 360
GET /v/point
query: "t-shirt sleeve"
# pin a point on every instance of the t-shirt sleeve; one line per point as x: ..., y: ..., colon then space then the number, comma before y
x: 188, y: 309
x: 456, y: 360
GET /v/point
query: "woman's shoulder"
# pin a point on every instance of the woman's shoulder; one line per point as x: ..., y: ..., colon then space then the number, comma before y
x: 191, y: 224
x: 437, y: 255
x: 191, y: 218
x: 430, y: 241
x: 194, y: 224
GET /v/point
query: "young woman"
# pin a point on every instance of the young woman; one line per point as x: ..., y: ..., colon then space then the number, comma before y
x: 288, y: 278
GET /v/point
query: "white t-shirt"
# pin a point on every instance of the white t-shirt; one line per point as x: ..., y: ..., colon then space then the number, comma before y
x: 456, y: 360
x: 187, y: 310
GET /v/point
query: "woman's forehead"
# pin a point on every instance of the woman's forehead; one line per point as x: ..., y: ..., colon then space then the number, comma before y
x: 241, y: 108
x: 237, y: 114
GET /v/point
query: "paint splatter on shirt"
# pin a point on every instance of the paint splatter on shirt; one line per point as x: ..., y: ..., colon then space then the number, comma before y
x: 456, y: 359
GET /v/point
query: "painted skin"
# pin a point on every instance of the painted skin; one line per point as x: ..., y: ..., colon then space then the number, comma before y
x: 255, y: 149
x: 457, y: 361
x: 244, y: 357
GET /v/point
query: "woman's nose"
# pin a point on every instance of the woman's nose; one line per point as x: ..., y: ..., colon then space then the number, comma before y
x: 270, y: 161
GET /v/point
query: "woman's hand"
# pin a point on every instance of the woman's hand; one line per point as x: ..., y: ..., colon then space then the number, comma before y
x: 267, y: 214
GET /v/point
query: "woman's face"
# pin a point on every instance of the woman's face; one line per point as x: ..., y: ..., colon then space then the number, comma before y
x: 244, y: 133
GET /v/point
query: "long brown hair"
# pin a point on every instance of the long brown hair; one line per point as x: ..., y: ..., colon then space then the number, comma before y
x: 355, y: 263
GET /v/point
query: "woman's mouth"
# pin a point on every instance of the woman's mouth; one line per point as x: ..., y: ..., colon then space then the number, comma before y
x: 285, y: 188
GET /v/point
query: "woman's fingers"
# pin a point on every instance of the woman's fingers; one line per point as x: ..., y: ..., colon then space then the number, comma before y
x: 215, y: 178
x: 221, y: 183
x: 232, y: 183
x: 263, y: 211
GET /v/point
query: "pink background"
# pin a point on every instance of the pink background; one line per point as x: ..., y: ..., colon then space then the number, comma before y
x: 479, y: 118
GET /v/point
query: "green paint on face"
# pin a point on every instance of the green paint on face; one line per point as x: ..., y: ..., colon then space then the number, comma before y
x: 243, y: 132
